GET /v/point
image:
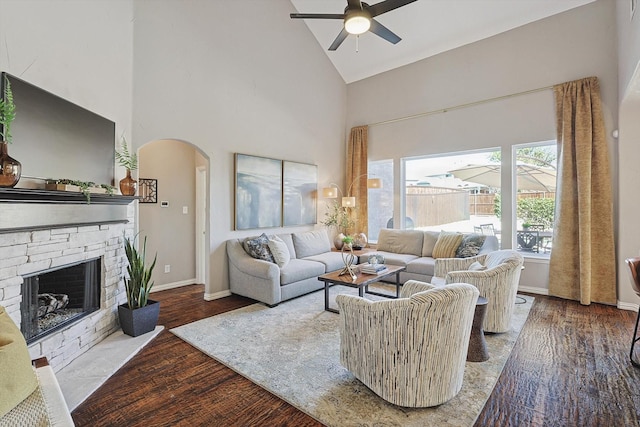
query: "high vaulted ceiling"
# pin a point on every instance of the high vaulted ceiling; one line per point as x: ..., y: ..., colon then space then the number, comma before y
x: 427, y: 27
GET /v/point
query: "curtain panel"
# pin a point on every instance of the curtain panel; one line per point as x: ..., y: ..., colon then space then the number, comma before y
x: 357, y: 161
x: 582, y: 265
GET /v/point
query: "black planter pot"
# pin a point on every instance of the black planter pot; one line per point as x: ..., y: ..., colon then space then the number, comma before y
x: 139, y: 321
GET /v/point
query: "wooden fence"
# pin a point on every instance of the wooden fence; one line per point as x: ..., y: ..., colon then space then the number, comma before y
x: 427, y: 206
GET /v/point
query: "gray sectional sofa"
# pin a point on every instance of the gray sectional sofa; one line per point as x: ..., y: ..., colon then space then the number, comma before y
x: 301, y: 257
x: 414, y: 249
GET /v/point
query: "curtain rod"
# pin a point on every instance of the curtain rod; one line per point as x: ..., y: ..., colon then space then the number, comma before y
x: 458, y: 107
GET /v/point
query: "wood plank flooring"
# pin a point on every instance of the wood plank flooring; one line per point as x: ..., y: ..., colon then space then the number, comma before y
x: 569, y: 368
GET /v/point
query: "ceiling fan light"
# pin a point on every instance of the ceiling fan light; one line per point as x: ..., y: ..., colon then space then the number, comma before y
x: 357, y: 24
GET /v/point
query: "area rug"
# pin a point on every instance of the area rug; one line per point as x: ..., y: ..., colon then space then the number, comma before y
x: 292, y: 350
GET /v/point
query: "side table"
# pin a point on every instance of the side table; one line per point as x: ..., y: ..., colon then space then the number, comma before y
x: 477, y: 344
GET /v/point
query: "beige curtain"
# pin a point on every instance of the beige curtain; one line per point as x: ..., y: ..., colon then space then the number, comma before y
x: 582, y: 265
x: 357, y: 177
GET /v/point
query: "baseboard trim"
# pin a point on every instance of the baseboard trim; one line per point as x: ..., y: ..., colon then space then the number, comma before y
x: 216, y: 295
x: 173, y: 285
x: 628, y: 306
x: 534, y: 290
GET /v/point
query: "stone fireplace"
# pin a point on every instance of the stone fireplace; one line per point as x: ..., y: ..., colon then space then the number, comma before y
x: 48, y: 235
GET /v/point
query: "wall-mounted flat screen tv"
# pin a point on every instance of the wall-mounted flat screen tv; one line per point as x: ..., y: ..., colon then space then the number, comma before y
x: 57, y: 139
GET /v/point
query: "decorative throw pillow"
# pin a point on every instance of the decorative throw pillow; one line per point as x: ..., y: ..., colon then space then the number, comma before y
x: 470, y: 246
x: 258, y: 247
x: 279, y: 250
x: 18, y: 380
x: 447, y: 243
x: 476, y: 266
x: 429, y: 242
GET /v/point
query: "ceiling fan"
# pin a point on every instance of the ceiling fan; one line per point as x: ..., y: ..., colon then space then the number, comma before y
x: 358, y: 19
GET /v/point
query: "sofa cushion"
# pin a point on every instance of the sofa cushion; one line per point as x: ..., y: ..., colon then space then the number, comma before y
x: 258, y: 247
x: 332, y: 260
x: 429, y: 241
x: 279, y: 251
x: 287, y: 238
x: 300, y: 269
x: 391, y: 258
x: 311, y: 243
x: 401, y: 241
x: 470, y: 245
x: 18, y: 379
x: 423, y: 265
x: 447, y: 243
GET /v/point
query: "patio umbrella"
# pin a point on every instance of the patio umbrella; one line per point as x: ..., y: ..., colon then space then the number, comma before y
x: 530, y: 177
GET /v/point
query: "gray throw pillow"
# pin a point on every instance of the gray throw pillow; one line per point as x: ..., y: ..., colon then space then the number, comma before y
x: 470, y: 245
x: 258, y: 247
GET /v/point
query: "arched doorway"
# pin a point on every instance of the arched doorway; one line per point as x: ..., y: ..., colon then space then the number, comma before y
x: 176, y: 223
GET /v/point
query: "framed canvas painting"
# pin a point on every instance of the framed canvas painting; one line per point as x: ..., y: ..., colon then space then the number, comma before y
x: 258, y: 192
x: 300, y: 192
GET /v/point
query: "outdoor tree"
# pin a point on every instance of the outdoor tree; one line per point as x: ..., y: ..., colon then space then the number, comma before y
x: 545, y: 156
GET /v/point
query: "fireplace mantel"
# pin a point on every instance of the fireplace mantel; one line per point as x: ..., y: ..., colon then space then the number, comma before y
x: 32, y: 209
x: 29, y: 195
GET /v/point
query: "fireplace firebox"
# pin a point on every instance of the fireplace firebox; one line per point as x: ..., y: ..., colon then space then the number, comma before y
x: 57, y: 297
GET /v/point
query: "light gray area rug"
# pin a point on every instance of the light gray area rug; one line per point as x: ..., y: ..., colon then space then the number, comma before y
x: 293, y: 351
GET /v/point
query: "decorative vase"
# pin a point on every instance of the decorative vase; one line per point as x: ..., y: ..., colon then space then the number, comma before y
x: 359, y: 241
x: 10, y: 168
x: 337, y: 241
x: 128, y: 185
x: 139, y: 321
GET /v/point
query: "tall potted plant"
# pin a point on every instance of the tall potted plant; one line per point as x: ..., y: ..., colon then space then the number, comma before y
x: 140, y: 314
x: 130, y: 162
x: 10, y: 168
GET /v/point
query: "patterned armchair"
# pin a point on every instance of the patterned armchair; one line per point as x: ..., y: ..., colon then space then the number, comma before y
x: 498, y: 282
x: 409, y: 351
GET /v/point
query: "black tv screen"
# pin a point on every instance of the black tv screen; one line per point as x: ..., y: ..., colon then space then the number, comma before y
x: 57, y: 139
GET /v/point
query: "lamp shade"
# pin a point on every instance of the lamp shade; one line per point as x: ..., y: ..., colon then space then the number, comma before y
x: 374, y: 183
x: 348, y: 202
x: 330, y: 192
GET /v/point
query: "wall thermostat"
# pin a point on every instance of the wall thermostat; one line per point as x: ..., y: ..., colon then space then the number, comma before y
x: 164, y: 204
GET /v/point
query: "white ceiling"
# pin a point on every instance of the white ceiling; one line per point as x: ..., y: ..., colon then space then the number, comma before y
x: 427, y: 27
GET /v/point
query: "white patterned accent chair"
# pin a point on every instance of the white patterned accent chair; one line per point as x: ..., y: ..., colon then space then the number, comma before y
x: 497, y: 280
x: 410, y: 351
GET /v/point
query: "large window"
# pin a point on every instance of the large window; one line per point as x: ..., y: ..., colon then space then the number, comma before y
x: 535, y: 197
x: 380, y: 200
x: 453, y: 192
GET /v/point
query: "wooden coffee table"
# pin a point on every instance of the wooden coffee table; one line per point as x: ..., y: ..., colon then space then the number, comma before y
x: 362, y: 282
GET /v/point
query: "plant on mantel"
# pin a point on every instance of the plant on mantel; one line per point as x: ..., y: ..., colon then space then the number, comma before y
x: 84, y: 186
x: 7, y: 112
x: 129, y: 161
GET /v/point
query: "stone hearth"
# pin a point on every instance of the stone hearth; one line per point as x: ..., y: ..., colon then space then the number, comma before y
x: 24, y: 252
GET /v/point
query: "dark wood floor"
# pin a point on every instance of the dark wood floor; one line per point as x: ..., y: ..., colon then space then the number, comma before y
x: 569, y: 368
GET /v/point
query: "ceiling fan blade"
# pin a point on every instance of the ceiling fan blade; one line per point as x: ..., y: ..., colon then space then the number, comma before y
x: 354, y: 4
x: 388, y: 5
x: 317, y: 15
x: 382, y: 31
x: 338, y: 41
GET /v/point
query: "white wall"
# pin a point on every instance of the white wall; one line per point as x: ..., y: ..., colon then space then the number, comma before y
x: 232, y: 77
x: 572, y: 45
x: 629, y: 149
x: 81, y: 51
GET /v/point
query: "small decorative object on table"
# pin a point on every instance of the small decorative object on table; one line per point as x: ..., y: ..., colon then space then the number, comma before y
x: 349, y: 258
x: 359, y: 241
x: 375, y: 259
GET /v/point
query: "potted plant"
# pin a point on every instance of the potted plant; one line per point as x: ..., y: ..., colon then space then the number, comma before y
x: 130, y: 162
x: 10, y: 168
x: 140, y: 314
x: 338, y: 217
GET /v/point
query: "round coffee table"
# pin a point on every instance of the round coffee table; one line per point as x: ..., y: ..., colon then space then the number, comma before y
x: 477, y: 345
